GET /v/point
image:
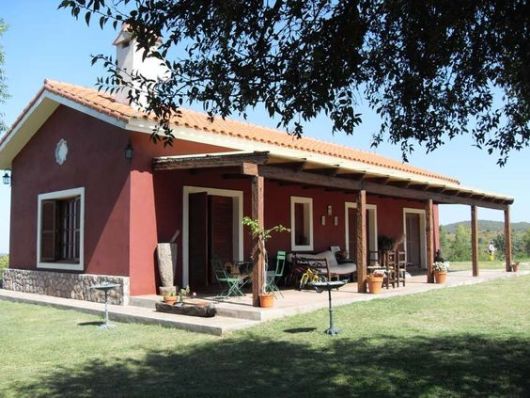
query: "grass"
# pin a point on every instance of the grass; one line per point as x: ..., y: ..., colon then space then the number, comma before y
x: 465, y: 341
x: 496, y: 264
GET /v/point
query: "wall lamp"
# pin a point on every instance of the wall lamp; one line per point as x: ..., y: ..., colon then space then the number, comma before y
x: 6, y: 179
x: 129, y: 152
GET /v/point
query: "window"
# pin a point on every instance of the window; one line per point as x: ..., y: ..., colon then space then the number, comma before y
x: 301, y: 223
x: 60, y: 232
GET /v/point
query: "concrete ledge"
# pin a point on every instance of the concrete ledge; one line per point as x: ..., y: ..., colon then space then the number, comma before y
x: 216, y: 326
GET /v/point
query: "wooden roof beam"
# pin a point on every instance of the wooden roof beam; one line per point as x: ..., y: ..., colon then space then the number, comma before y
x: 209, y: 161
x: 327, y: 171
x: 296, y: 165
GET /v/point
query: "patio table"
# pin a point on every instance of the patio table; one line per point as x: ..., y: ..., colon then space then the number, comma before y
x: 328, y: 285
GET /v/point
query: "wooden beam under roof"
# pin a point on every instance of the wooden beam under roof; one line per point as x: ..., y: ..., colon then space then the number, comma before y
x: 327, y: 171
x: 353, y: 176
x: 297, y: 165
x: 256, y: 164
x: 305, y: 178
x: 209, y: 160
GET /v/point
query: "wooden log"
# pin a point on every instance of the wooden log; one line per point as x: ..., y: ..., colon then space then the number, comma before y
x: 258, y: 274
x: 205, y: 310
x: 362, y: 269
x: 507, y: 239
x: 474, y: 240
x: 430, y: 240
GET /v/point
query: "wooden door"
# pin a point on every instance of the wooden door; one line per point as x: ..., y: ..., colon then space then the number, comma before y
x: 198, y: 240
x: 221, y: 230
x: 413, y: 239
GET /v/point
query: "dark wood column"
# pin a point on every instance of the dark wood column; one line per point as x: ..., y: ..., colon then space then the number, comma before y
x: 361, y: 242
x: 474, y: 240
x: 430, y: 240
x: 258, y: 276
x: 507, y: 239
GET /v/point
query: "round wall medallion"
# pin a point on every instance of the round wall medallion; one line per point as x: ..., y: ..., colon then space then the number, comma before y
x: 61, y: 152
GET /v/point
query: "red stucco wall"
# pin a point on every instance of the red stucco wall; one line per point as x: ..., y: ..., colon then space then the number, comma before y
x: 95, y: 161
x: 145, y: 215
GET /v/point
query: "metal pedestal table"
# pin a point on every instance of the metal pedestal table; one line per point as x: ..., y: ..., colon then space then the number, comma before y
x: 328, y: 285
x: 105, y: 287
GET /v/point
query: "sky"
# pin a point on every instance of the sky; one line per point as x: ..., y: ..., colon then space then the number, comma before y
x: 43, y: 42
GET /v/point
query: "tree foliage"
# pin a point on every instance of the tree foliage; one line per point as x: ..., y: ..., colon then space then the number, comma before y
x: 3, y: 86
x: 431, y: 70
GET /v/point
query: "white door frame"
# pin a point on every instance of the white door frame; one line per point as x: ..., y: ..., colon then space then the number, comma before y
x: 372, y: 221
x: 237, y: 197
x: 423, y: 233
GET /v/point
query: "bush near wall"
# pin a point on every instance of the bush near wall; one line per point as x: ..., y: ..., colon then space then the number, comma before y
x: 4, y: 262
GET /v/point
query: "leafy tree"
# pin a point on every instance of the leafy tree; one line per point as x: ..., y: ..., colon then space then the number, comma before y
x: 4, y: 261
x: 526, y: 243
x: 461, y: 246
x: 3, y: 87
x: 445, y: 245
x: 431, y: 69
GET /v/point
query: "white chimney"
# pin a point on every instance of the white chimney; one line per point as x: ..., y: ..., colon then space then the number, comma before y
x: 130, y: 59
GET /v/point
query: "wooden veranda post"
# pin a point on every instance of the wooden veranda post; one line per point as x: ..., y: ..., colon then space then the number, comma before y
x: 474, y: 240
x: 507, y: 239
x: 430, y: 240
x: 258, y: 276
x: 361, y: 242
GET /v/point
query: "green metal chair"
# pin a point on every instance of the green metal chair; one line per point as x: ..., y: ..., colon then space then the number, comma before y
x: 273, y: 275
x: 232, y: 283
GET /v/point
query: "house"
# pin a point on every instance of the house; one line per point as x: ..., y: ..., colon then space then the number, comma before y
x: 92, y: 195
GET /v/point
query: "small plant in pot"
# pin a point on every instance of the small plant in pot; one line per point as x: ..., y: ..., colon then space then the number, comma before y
x: 261, y: 235
x: 375, y: 281
x: 440, y: 269
x: 515, y: 267
x: 170, y: 297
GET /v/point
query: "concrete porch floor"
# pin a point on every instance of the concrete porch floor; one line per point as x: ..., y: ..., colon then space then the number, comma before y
x: 293, y: 301
x: 238, y: 313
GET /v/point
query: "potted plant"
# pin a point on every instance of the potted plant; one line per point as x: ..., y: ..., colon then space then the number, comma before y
x: 375, y: 281
x: 261, y: 235
x: 515, y: 267
x: 440, y: 271
x: 170, y: 297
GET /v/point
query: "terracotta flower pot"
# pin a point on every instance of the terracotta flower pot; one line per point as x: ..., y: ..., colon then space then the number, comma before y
x: 374, y: 284
x: 266, y: 300
x: 515, y: 267
x: 440, y: 276
x: 170, y: 299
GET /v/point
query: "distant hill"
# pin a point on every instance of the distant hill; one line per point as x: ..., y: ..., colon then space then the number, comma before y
x: 488, y: 225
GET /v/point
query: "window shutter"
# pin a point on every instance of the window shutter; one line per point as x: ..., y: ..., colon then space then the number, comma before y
x: 48, y: 230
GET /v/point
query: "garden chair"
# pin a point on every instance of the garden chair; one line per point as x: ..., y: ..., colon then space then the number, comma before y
x: 391, y: 271
x: 273, y: 275
x: 232, y: 283
x: 401, y: 266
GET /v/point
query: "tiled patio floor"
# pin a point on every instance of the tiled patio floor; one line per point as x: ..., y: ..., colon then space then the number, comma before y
x: 297, y: 302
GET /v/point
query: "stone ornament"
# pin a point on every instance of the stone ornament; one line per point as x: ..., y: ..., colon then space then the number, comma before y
x: 61, y: 152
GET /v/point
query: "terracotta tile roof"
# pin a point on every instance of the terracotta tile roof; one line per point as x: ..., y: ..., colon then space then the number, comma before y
x: 106, y: 104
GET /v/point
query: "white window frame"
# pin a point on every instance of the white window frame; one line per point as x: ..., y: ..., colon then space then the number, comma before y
x: 68, y: 193
x: 303, y: 200
x: 371, y: 241
x: 423, y: 237
x: 237, y: 197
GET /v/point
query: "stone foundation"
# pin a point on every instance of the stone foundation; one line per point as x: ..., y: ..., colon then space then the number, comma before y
x: 69, y: 285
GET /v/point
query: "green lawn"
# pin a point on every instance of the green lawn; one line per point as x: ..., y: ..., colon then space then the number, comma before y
x: 466, y: 341
x: 496, y: 264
